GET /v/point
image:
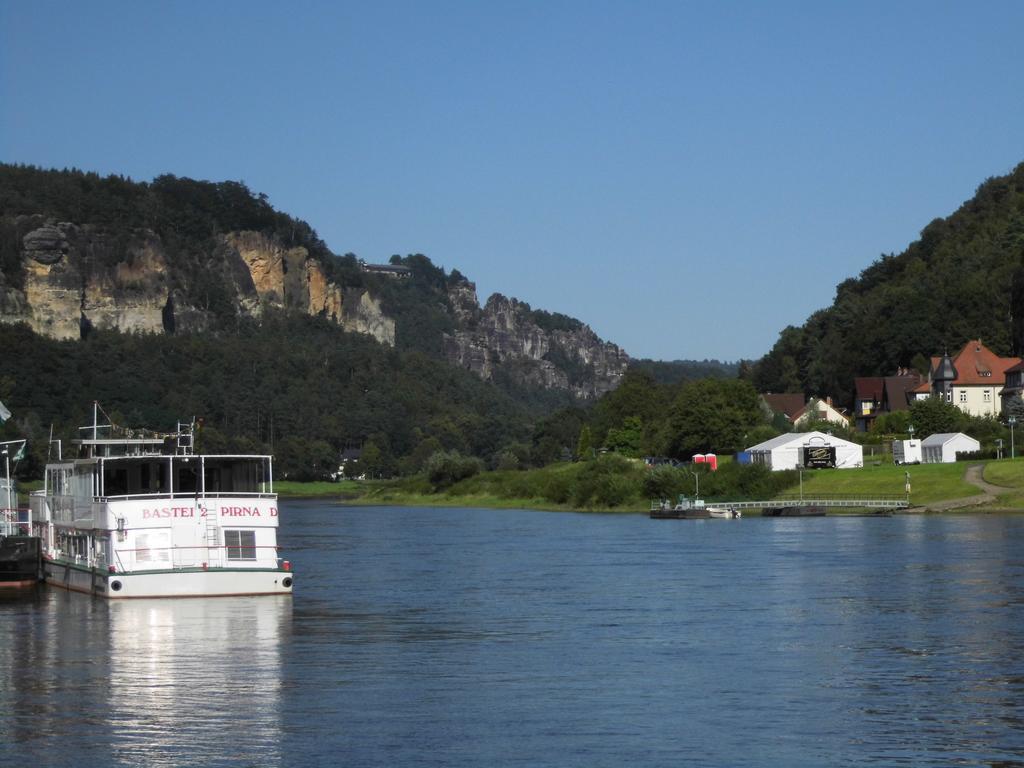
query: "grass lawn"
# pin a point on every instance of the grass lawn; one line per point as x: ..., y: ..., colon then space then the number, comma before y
x: 928, y: 482
x: 1008, y: 473
x: 289, y: 489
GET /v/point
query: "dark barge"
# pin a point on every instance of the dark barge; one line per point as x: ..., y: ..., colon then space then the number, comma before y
x: 21, y: 561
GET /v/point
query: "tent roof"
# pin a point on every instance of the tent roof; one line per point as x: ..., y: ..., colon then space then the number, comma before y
x: 941, y: 438
x: 800, y: 438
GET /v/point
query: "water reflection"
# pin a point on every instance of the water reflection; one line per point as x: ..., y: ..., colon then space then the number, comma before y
x: 463, y: 638
x: 143, y: 682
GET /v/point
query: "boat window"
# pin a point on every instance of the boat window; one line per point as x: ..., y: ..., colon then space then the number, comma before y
x: 241, y: 545
x: 152, y: 547
x: 140, y: 477
x: 234, y: 475
x: 115, y: 480
x: 184, y: 478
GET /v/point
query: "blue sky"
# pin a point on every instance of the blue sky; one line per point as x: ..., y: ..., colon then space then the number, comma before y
x: 686, y: 177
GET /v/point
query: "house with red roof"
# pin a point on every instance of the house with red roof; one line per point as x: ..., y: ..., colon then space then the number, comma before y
x: 787, y: 403
x: 800, y: 411
x: 973, y: 380
x: 875, y: 395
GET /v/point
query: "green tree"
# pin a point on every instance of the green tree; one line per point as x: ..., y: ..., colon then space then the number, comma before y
x: 585, y: 447
x: 890, y: 424
x: 665, y: 482
x: 416, y: 460
x: 445, y: 468
x: 712, y: 416
x: 627, y: 439
x: 934, y: 415
x: 375, y: 460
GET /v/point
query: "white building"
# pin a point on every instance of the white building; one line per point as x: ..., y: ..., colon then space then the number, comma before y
x: 807, y: 449
x: 973, y: 379
x: 942, y: 448
x: 820, y: 410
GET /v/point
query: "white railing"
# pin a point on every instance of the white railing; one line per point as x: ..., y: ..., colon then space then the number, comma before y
x: 15, y: 521
x: 194, y: 556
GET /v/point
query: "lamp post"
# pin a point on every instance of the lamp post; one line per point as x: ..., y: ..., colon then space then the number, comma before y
x: 1012, y: 420
x: 696, y: 480
x: 7, y: 473
x: 910, y: 431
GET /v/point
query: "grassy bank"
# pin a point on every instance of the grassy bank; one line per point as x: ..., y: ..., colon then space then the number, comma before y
x: 290, y: 489
x: 621, y: 487
x: 1008, y: 474
x: 929, y: 483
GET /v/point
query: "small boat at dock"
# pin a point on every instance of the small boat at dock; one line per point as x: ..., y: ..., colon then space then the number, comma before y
x: 724, y: 513
x: 691, y: 509
x: 20, y: 553
x: 21, y: 559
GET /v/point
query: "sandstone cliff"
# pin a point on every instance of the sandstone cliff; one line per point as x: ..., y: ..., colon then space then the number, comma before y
x: 505, y: 336
x: 76, y: 277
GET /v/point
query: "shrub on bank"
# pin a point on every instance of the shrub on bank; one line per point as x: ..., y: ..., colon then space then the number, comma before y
x: 445, y: 468
x: 608, y: 481
x: 611, y: 481
x: 747, y: 481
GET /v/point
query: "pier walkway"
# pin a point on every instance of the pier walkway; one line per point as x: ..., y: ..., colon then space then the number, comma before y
x: 822, y: 501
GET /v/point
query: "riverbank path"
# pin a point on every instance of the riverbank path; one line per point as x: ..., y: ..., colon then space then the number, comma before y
x: 974, y: 476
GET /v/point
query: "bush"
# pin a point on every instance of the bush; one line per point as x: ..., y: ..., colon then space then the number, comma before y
x: 746, y: 481
x: 557, y: 488
x: 613, y: 490
x: 445, y: 468
x: 665, y: 482
x: 608, y: 481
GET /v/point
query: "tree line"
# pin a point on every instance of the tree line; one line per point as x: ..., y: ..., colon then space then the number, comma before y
x: 963, y: 279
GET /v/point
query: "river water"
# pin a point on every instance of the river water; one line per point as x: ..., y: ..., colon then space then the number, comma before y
x: 463, y: 637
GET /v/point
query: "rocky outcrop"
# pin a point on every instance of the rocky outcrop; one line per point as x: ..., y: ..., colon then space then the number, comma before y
x: 74, y: 278
x: 504, y: 337
x: 78, y: 277
x: 363, y: 313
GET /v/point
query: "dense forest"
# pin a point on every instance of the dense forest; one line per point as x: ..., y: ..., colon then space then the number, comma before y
x: 292, y: 385
x: 297, y: 386
x: 962, y: 280
x: 303, y: 388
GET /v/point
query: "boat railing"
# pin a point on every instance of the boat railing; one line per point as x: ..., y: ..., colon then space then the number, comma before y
x: 191, y: 556
x: 188, y: 495
x: 15, y: 521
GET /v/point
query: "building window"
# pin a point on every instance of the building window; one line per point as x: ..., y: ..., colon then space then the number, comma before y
x: 988, y: 395
x: 963, y: 395
x: 949, y: 397
x: 241, y: 545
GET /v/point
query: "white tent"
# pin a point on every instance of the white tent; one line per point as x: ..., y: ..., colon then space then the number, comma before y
x: 807, y: 449
x: 943, y: 447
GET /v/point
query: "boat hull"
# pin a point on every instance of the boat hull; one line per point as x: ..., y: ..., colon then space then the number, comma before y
x: 20, y: 561
x: 680, y: 514
x: 796, y: 511
x: 185, y: 582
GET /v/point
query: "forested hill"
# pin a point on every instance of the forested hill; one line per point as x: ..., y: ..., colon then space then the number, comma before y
x: 176, y: 298
x: 964, y: 279
x: 675, y: 371
x: 79, y: 253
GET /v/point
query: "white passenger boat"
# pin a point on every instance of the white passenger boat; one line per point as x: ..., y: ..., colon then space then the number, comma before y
x: 142, y: 515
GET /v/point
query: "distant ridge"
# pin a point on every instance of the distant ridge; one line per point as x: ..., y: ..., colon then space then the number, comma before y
x: 963, y: 279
